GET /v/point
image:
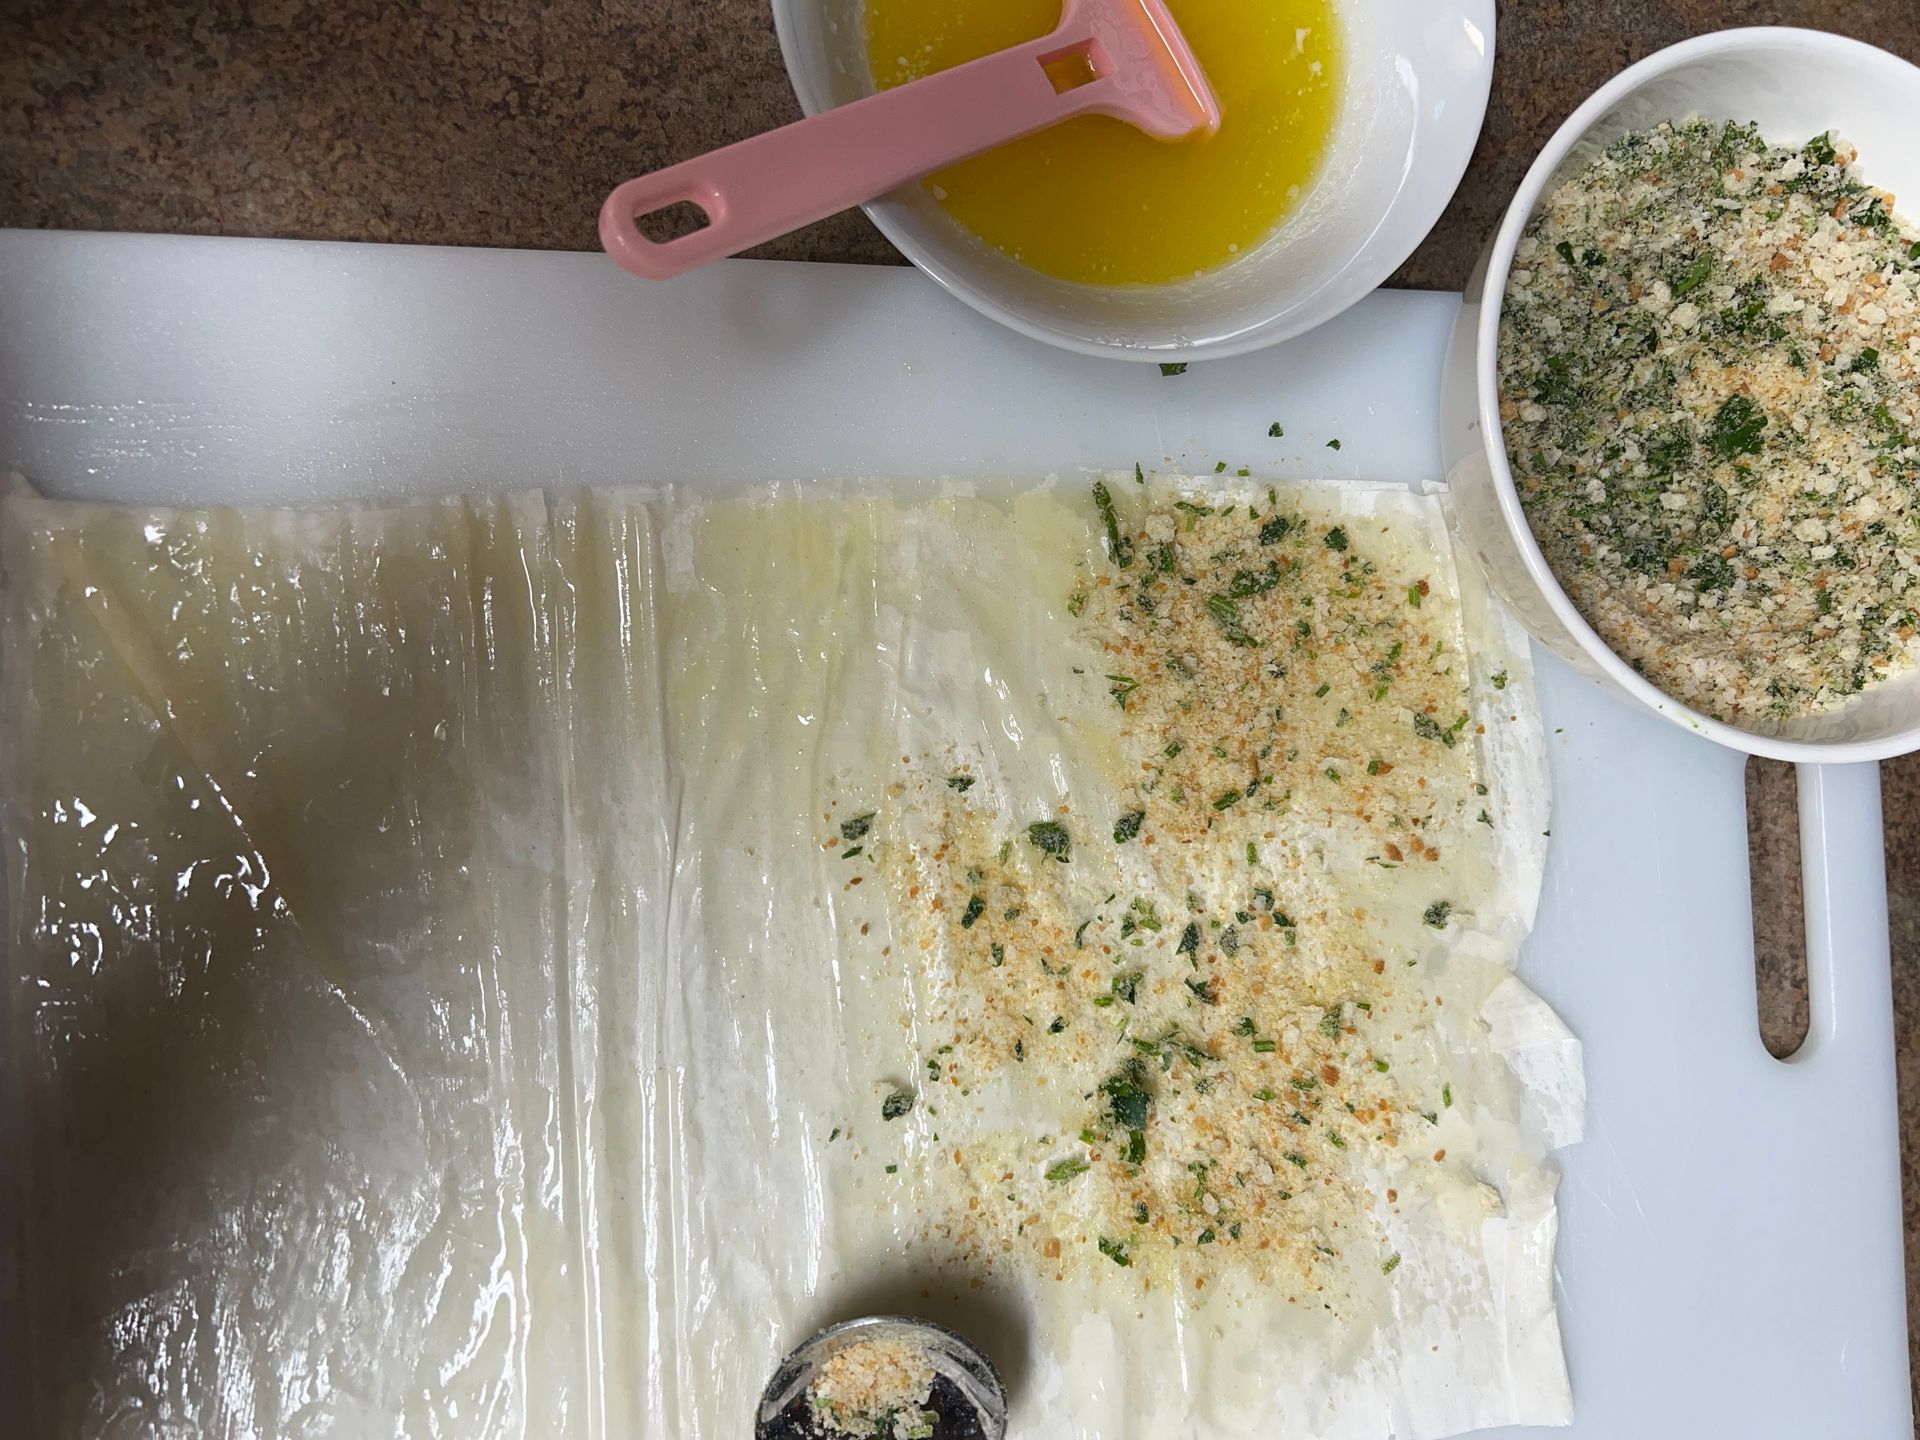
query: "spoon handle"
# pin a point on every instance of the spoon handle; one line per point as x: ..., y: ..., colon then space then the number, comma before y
x: 760, y: 188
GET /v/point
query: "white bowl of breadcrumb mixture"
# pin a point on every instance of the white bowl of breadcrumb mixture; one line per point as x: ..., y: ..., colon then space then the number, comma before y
x: 1683, y: 401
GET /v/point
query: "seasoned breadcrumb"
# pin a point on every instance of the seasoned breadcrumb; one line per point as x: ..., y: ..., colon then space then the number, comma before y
x: 1709, y: 354
x: 874, y: 1388
x: 1289, y: 693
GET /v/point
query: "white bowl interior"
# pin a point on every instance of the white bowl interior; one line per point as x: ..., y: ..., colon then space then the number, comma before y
x: 1416, y: 75
x: 1793, y: 85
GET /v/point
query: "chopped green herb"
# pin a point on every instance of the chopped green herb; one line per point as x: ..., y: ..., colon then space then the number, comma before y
x: 898, y: 1103
x: 1119, y: 546
x: 1126, y: 986
x: 962, y: 783
x: 1273, y: 531
x: 1177, y: 1044
x: 1275, y: 431
x: 1226, y: 615
x: 1254, y: 582
x: 1693, y: 276
x: 852, y: 851
x: 1127, y: 1103
x: 1437, y: 914
x: 1265, y: 1047
x: 1446, y: 1096
x: 1736, y: 428
x: 1173, y: 367
x: 976, y: 907
x: 1337, y: 538
x: 1050, y: 838
x: 856, y: 828
x: 1063, y: 1170
x: 1390, y: 1264
x: 1120, y: 687
x: 1112, y: 1249
x: 1128, y: 826
x: 1189, y: 940
x: 1500, y: 680
x: 1226, y: 799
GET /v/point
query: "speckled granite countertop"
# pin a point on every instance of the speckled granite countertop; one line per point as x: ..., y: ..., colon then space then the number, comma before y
x: 485, y: 122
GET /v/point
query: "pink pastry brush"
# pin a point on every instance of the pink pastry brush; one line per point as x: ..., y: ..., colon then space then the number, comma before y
x: 1123, y: 58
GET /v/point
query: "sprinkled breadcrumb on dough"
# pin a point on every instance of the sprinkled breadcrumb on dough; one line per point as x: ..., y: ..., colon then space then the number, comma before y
x: 874, y: 1388
x: 1280, y: 678
x: 1709, y: 355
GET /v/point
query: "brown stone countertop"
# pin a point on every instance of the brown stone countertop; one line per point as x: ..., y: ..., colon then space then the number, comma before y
x: 500, y: 123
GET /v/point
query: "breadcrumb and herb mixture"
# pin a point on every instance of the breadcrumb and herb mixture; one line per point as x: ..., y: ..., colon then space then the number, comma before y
x: 1190, y: 953
x: 1709, y: 354
x: 874, y: 1388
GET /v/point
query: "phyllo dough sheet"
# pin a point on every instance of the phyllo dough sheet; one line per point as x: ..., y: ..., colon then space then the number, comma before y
x: 514, y: 966
x: 337, y: 844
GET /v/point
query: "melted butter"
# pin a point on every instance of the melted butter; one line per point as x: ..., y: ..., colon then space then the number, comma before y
x: 1095, y: 200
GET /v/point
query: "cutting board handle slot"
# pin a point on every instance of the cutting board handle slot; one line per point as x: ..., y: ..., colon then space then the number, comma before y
x: 1779, y: 912
x: 1843, y: 854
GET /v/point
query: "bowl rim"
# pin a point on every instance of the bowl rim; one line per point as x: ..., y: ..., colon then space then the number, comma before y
x: 1486, y: 385
x: 1349, y: 284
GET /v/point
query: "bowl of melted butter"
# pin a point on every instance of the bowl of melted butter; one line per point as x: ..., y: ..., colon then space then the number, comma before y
x: 1345, y: 127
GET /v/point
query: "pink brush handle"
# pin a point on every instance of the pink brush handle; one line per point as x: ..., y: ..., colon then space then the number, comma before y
x: 787, y: 178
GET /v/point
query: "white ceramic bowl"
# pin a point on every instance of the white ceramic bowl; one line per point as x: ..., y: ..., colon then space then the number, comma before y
x: 1793, y: 84
x: 1417, y: 73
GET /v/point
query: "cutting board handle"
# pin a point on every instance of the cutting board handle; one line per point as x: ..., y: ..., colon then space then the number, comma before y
x: 1843, y: 853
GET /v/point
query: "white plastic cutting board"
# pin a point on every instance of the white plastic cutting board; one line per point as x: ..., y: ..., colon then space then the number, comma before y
x: 1730, y: 1254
